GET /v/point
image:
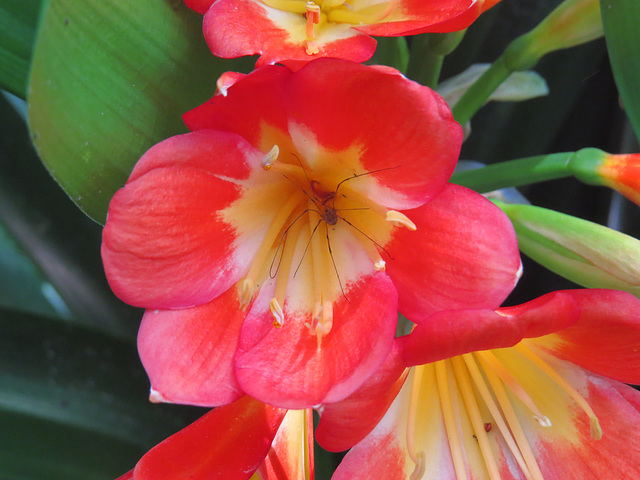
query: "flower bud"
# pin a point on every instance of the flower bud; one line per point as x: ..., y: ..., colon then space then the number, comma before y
x: 572, y: 23
x: 620, y: 172
x: 586, y: 253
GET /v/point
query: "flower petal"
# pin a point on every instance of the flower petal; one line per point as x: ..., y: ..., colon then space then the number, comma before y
x: 463, y: 255
x: 165, y: 243
x: 290, y: 367
x: 454, y: 332
x: 234, y: 28
x: 411, y: 17
x: 228, y: 443
x: 251, y: 107
x: 606, y: 337
x: 188, y: 354
x: 566, y: 450
x: 200, y: 6
x: 385, y: 448
x: 416, y: 146
x: 291, y: 457
x: 345, y: 423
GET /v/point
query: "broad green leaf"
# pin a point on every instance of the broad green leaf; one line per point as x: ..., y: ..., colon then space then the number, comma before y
x: 620, y: 20
x: 60, y: 241
x: 18, y: 21
x: 109, y: 80
x: 73, y: 403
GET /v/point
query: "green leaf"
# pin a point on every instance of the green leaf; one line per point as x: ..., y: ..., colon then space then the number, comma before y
x: 18, y: 22
x: 109, y: 80
x: 620, y: 21
x: 61, y: 242
x: 73, y: 403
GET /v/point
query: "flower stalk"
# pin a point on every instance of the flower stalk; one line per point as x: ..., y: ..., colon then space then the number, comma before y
x: 572, y: 23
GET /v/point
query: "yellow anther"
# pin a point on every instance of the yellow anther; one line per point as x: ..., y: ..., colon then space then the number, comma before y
x: 270, y: 157
x: 276, y: 312
x: 380, y: 265
x: 311, y: 47
x: 246, y: 290
x: 398, y: 218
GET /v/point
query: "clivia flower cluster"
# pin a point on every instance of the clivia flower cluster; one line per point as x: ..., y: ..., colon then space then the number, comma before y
x: 274, y: 245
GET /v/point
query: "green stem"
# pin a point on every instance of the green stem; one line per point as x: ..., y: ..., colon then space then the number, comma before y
x: 515, y: 173
x: 424, y: 66
x: 481, y: 90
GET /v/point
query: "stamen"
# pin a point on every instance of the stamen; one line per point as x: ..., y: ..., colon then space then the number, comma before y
x: 512, y: 421
x: 248, y: 284
x: 398, y: 218
x: 416, y: 386
x: 380, y: 265
x: 276, y: 312
x: 270, y: 157
x: 464, y: 382
x: 311, y: 47
x: 246, y: 288
x: 450, y: 420
x: 515, y: 387
x: 313, y: 16
x: 476, y: 375
x: 596, y: 430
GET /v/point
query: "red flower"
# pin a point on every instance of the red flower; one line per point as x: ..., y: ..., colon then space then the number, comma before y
x: 299, y: 29
x: 232, y: 443
x: 622, y: 173
x: 274, y: 244
x: 511, y: 394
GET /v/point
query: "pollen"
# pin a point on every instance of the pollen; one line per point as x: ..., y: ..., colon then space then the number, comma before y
x: 270, y: 157
x: 398, y: 218
x: 276, y: 312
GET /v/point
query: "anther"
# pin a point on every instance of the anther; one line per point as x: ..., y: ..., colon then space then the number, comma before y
x: 398, y: 218
x: 311, y: 47
x: 270, y: 157
x: 380, y: 265
x: 245, y: 292
x: 276, y: 312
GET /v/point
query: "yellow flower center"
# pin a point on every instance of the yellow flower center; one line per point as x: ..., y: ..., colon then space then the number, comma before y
x: 479, y: 394
x: 321, y: 12
x: 316, y: 217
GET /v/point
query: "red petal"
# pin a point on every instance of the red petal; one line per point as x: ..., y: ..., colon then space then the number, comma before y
x: 126, y: 476
x: 228, y: 443
x: 411, y: 17
x: 188, y: 354
x: 200, y: 6
x: 234, y: 28
x: 463, y: 255
x: 606, y: 337
x: 288, y: 366
x: 388, y: 122
x: 345, y: 423
x: 454, y: 332
x: 164, y: 246
x: 252, y: 108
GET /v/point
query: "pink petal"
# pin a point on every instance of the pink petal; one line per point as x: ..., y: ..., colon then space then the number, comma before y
x: 606, y: 337
x: 454, y: 332
x: 188, y: 354
x: 463, y: 255
x: 165, y: 243
x: 228, y: 443
x: 292, y: 368
x: 234, y: 28
x: 345, y: 423
x: 383, y: 121
x: 126, y: 476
